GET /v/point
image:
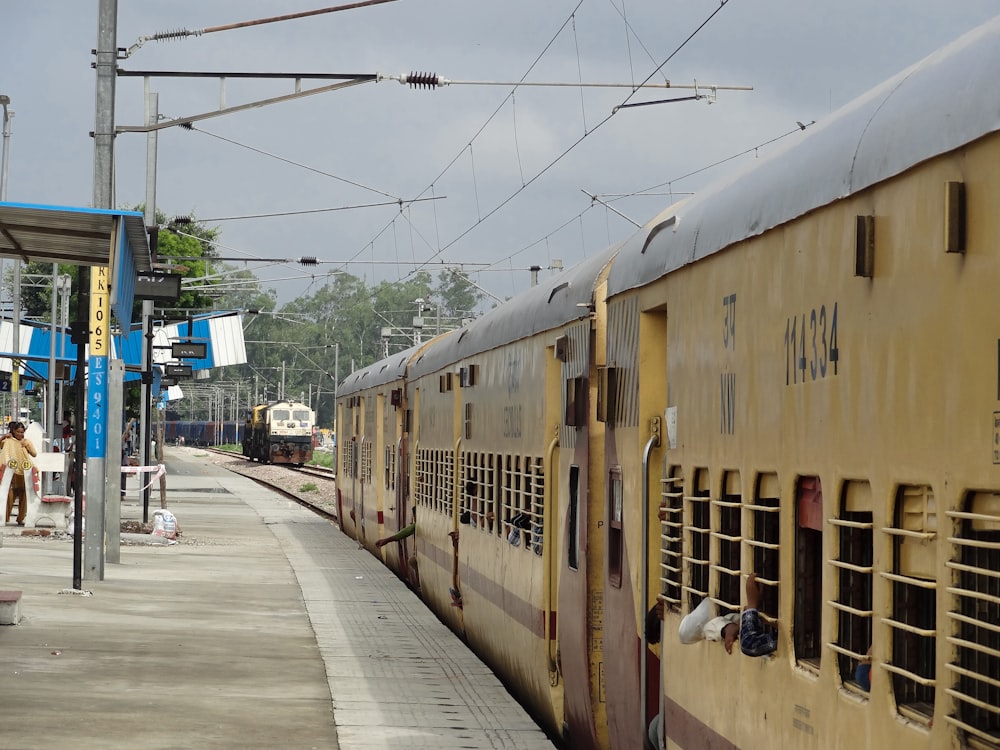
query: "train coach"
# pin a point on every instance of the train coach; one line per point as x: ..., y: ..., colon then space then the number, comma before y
x: 794, y: 374
x: 200, y: 432
x: 455, y: 429
x: 279, y: 433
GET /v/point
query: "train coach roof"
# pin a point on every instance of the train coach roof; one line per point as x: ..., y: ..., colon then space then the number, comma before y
x: 382, y: 372
x: 943, y: 102
x: 561, y: 299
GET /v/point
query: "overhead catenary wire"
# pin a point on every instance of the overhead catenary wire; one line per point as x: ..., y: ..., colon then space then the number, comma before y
x: 575, y: 143
x: 432, y: 81
x: 596, y: 197
x: 183, y: 33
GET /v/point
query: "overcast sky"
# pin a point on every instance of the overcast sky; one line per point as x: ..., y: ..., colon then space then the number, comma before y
x: 507, y: 171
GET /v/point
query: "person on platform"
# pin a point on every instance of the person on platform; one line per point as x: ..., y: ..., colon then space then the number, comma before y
x: 67, y: 432
x: 68, y: 446
x: 16, y: 452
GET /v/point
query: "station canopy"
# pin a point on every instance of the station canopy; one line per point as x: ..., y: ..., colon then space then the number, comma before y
x: 81, y: 237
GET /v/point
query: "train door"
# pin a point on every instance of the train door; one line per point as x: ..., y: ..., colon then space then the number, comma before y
x: 653, y: 398
x: 337, y: 460
x: 405, y: 515
x: 580, y: 552
x: 549, y: 520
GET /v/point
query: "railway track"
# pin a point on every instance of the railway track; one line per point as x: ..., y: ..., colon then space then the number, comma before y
x: 313, y: 487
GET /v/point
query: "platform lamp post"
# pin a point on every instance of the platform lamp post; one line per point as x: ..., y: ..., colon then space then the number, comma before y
x: 8, y: 114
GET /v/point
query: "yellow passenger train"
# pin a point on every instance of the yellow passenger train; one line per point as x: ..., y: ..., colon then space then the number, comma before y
x: 795, y: 374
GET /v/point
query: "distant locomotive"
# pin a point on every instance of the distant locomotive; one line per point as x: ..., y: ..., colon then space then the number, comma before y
x: 280, y: 433
x: 792, y: 374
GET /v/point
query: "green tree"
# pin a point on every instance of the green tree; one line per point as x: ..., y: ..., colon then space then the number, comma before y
x: 459, y: 297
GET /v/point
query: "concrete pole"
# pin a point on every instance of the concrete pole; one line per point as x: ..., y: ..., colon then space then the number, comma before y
x: 50, y: 392
x: 149, y: 218
x: 104, y: 195
x: 15, y: 311
x: 7, y: 115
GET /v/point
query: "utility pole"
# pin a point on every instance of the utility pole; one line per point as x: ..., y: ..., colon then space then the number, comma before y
x: 149, y: 218
x: 15, y: 312
x: 94, y: 451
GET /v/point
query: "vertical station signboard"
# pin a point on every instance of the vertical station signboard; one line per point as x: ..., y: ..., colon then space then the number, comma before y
x: 97, y: 390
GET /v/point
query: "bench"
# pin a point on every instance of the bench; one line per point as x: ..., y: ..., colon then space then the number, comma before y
x: 10, y: 607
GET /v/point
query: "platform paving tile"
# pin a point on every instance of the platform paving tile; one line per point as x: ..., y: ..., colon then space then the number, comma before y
x: 363, y: 738
x: 398, y: 676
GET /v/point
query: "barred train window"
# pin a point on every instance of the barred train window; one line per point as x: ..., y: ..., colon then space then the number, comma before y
x: 424, y: 481
x: 443, y: 473
x: 853, y: 568
x: 467, y: 491
x: 808, y: 570
x: 727, y: 539
x: 491, y: 480
x: 390, y: 467
x: 698, y: 530
x: 914, y: 602
x: 347, y: 458
x: 523, y: 491
x: 671, y: 516
x: 975, y: 619
x: 480, y: 489
x: 432, y: 487
x: 537, y: 504
x: 366, y: 462
x: 764, y: 549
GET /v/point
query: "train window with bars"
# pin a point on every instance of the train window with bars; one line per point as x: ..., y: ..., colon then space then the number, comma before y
x: 727, y: 538
x: 808, y: 571
x: 523, y: 492
x: 537, y: 497
x: 432, y: 487
x: 914, y: 602
x: 699, y: 528
x: 347, y: 458
x: 366, y: 462
x: 467, y: 491
x: 444, y: 499
x: 479, y: 480
x: 762, y: 544
x: 853, y: 568
x: 615, y: 513
x: 490, y: 480
x: 389, y: 463
x: 423, y: 484
x: 671, y: 515
x: 976, y: 618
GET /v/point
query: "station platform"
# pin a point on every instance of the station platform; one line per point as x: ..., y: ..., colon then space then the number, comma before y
x: 263, y: 627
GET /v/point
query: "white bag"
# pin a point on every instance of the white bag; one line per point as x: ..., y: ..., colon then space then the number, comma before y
x: 164, y: 524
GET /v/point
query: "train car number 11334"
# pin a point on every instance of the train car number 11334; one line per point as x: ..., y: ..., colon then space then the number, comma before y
x: 811, y: 351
